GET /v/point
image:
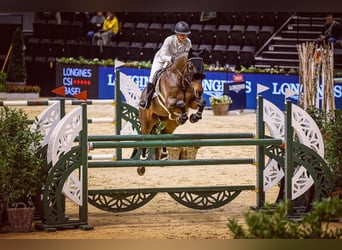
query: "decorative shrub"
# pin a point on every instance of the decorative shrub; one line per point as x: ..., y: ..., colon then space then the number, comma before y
x: 330, y: 125
x: 274, y: 223
x: 20, y: 165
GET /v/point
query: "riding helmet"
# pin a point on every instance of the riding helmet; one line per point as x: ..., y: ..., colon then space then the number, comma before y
x: 182, y: 28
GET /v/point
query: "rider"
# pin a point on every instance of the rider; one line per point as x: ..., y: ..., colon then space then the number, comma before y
x: 173, y: 45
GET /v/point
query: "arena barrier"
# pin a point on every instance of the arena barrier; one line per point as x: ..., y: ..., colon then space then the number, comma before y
x: 296, y: 165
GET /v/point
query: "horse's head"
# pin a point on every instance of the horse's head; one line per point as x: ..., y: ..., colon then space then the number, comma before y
x: 197, y: 61
x: 189, y: 66
x: 191, y: 63
x: 195, y: 67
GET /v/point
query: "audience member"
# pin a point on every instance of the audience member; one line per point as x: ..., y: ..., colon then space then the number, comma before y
x: 110, y: 29
x: 339, y: 40
x: 96, y: 23
x: 331, y: 31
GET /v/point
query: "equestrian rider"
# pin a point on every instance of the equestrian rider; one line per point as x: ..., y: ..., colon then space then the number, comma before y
x: 172, y: 46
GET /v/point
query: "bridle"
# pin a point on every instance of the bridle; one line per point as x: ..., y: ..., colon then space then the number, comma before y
x: 187, y: 77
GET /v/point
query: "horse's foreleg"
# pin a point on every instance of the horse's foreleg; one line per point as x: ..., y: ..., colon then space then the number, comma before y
x: 164, y: 155
x: 183, y: 117
x: 198, y: 115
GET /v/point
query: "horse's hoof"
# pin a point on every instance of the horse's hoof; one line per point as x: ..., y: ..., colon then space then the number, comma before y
x: 141, y: 171
x: 164, y: 157
x: 194, y: 118
x: 143, y: 158
x: 181, y: 120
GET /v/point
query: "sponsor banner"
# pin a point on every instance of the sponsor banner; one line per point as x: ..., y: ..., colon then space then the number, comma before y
x: 107, y: 80
x: 77, y: 78
x: 237, y: 91
x: 274, y: 87
x: 278, y: 88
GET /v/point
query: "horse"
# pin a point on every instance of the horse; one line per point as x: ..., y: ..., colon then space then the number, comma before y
x: 178, y: 89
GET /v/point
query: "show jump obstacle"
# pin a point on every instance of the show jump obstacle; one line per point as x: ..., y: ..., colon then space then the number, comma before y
x: 290, y: 157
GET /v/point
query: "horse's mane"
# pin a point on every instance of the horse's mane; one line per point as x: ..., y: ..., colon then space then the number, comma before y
x: 180, y: 62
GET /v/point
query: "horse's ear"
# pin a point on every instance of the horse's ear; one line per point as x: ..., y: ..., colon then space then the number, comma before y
x: 202, y: 52
x: 191, y: 53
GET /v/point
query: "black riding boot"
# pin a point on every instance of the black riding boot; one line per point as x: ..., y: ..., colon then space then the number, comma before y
x: 146, y: 102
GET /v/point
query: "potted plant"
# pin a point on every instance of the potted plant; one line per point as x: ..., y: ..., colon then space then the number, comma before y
x: 20, y: 167
x: 220, y: 104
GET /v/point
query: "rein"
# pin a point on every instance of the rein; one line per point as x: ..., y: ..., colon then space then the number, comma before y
x: 184, y: 78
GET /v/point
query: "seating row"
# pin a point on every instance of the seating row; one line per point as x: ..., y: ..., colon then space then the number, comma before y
x: 259, y: 18
x: 143, y: 32
x: 136, y: 51
x: 208, y: 33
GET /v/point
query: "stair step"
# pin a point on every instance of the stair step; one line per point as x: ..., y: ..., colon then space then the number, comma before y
x: 292, y: 63
x: 305, y: 27
x: 301, y: 34
x: 268, y: 65
x: 309, y: 19
x: 338, y: 57
x: 290, y: 41
x: 280, y: 54
x: 338, y: 51
x: 282, y: 47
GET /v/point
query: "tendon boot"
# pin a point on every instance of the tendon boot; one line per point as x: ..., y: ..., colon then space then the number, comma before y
x: 146, y: 102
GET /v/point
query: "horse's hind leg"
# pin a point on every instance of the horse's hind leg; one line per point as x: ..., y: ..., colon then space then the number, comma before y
x: 147, y: 122
x: 143, y: 155
x: 170, y: 126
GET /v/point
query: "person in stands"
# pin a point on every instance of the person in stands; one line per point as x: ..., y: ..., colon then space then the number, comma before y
x: 96, y: 23
x: 331, y: 31
x: 172, y: 46
x: 110, y: 29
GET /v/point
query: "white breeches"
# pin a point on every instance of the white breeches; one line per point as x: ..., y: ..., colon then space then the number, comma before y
x: 156, y: 65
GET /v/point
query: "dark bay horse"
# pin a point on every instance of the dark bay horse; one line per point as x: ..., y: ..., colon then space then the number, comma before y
x: 178, y: 90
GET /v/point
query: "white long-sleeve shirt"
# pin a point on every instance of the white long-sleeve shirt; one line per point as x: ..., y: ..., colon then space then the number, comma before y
x: 170, y: 47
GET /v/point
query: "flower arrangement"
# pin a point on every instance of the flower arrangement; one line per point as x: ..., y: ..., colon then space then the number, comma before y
x: 225, y: 99
x: 148, y: 64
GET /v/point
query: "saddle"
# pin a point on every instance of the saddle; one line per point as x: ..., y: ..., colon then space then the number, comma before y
x: 156, y: 79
